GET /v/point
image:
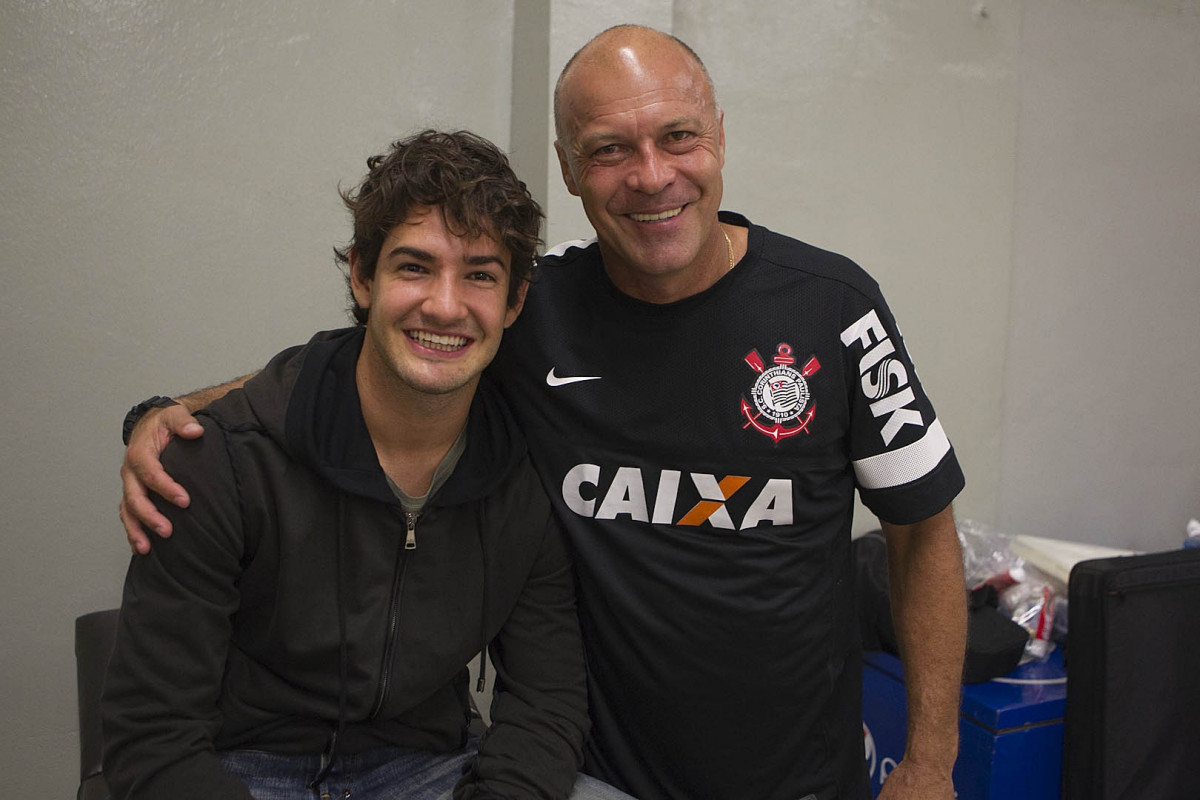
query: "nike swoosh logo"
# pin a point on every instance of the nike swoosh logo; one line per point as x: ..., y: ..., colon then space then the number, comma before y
x: 554, y: 380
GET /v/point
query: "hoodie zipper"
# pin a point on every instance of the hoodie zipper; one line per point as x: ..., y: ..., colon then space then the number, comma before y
x: 410, y: 534
x: 389, y: 649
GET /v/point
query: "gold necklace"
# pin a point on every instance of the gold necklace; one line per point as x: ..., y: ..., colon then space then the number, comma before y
x: 729, y: 247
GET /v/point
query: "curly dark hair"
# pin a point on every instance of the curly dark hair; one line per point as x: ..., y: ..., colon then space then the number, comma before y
x: 466, y: 177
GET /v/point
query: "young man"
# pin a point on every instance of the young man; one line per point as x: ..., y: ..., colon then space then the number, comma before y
x: 703, y: 397
x: 364, y: 519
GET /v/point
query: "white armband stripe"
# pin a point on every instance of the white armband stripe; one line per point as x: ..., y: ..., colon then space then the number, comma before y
x: 906, y: 464
x: 562, y: 247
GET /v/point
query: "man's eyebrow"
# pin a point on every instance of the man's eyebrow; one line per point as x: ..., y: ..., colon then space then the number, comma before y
x: 411, y: 252
x: 680, y: 122
x: 485, y: 259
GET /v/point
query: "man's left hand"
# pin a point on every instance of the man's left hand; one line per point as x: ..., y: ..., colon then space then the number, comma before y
x: 911, y: 780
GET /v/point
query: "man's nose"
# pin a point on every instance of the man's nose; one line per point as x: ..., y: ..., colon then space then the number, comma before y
x: 652, y: 171
x: 445, y: 300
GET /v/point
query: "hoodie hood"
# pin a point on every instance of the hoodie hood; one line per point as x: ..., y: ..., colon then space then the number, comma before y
x: 307, y: 401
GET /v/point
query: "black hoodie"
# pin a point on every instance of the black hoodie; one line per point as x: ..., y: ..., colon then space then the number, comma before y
x: 286, y: 609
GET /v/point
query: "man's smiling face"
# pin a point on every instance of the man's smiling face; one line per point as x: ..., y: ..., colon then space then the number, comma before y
x: 438, y: 306
x: 642, y: 145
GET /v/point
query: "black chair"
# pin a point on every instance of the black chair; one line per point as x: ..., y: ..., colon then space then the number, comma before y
x: 94, y: 636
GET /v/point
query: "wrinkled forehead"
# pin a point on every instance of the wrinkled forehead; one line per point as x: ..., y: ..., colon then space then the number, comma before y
x: 621, y: 79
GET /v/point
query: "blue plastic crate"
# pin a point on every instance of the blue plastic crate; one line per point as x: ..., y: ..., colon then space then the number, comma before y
x: 1010, y: 729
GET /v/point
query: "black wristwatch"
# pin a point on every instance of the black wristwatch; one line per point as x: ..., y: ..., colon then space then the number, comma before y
x: 136, y: 413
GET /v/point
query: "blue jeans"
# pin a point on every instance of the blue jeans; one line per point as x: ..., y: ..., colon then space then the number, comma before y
x: 391, y: 773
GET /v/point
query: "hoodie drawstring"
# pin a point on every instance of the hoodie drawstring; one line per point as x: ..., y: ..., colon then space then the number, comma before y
x: 343, y: 650
x: 483, y: 637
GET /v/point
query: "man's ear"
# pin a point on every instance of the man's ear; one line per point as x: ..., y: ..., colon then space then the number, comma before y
x: 360, y: 286
x: 510, y: 315
x: 565, y: 166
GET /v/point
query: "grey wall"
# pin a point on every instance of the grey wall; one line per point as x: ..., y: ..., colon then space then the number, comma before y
x: 1023, y: 179
x: 1100, y: 439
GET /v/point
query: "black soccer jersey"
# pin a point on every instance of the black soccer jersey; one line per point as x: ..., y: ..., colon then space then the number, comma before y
x: 703, y: 455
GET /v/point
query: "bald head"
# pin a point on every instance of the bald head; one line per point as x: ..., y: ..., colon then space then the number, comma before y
x: 627, y: 50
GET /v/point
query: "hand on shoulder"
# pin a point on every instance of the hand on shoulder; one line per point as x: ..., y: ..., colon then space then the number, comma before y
x: 142, y: 472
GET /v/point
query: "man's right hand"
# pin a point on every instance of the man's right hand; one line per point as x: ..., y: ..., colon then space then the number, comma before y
x: 142, y: 472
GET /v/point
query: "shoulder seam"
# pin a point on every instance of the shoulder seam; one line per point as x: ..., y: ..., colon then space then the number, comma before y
x: 866, y: 285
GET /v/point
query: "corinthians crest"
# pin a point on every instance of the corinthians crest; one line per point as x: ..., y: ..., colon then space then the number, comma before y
x: 780, y: 394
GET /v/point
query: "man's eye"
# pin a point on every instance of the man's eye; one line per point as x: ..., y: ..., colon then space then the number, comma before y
x: 607, y: 151
x: 483, y: 276
x: 676, y: 137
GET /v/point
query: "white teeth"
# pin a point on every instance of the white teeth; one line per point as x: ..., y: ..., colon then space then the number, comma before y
x: 655, y: 217
x: 437, y: 341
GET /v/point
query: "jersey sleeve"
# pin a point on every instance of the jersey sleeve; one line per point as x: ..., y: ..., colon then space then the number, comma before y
x: 904, y: 464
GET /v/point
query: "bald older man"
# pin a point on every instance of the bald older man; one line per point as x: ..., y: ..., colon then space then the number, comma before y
x: 703, y: 397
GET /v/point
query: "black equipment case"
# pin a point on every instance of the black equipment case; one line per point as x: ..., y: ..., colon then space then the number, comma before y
x: 1132, y: 725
